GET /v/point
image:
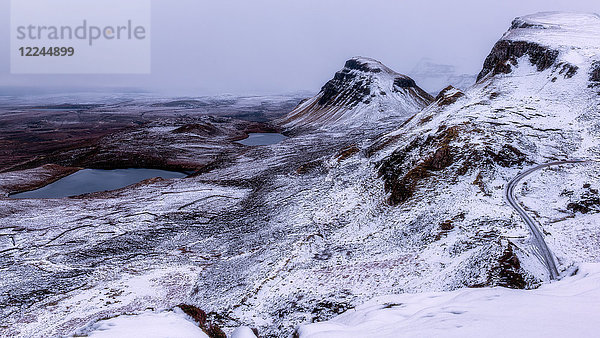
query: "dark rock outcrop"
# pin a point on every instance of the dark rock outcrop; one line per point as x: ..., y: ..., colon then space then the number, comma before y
x: 347, y: 86
x: 404, y: 82
x: 567, y: 70
x: 520, y: 23
x: 342, y: 89
x: 203, y: 129
x: 595, y: 74
x: 505, y: 53
x: 509, y: 156
x: 508, y: 272
x: 448, y: 96
x: 587, y: 202
x: 356, y: 64
x: 350, y: 87
x: 211, y: 330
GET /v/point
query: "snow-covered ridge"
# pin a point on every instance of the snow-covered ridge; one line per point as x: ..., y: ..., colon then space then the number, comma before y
x: 363, y: 91
x: 557, y: 29
x: 565, y: 41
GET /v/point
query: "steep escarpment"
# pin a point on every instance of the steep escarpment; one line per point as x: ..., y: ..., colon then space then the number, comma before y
x: 534, y: 103
x: 364, y: 91
x: 546, y: 40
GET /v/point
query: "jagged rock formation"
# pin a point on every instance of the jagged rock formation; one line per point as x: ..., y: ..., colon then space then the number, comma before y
x: 364, y: 91
x: 507, y: 52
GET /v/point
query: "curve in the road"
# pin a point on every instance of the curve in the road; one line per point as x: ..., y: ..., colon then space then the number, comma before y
x: 534, y: 227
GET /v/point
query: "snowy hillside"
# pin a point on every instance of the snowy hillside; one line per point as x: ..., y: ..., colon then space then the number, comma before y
x: 534, y: 103
x: 363, y: 91
x: 566, y: 308
x: 423, y: 208
x: 385, y: 191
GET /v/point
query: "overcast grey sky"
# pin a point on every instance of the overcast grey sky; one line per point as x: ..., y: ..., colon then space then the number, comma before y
x: 276, y: 46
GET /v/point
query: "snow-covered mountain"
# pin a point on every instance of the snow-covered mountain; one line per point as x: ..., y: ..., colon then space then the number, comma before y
x: 364, y: 91
x: 423, y: 207
x: 535, y: 102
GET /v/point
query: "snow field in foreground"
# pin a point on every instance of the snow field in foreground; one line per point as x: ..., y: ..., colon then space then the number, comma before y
x: 150, y: 324
x: 570, y: 307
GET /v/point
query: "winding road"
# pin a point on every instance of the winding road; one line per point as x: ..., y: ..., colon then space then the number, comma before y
x: 540, y: 246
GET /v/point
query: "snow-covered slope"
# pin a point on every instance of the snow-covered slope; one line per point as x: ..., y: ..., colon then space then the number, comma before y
x: 566, y: 308
x: 363, y: 91
x: 446, y: 224
x: 535, y: 102
x: 147, y: 325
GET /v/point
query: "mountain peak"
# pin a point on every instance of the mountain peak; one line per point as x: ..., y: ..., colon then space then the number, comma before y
x: 363, y: 91
x: 365, y: 64
x: 569, y: 42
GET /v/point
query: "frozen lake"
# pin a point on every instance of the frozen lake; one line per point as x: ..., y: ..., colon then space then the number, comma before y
x: 262, y: 139
x: 94, y: 180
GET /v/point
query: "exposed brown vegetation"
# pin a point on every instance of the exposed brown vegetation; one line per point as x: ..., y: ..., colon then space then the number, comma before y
x: 447, y: 225
x: 199, y: 316
x: 444, y: 98
x: 346, y: 153
x: 402, y: 188
x: 308, y: 167
x: 508, y: 271
x: 479, y: 183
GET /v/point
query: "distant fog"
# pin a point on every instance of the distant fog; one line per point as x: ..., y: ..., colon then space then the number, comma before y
x: 272, y: 46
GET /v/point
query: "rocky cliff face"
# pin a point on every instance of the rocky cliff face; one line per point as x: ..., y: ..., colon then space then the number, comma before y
x: 364, y: 91
x: 506, y: 53
x: 547, y: 40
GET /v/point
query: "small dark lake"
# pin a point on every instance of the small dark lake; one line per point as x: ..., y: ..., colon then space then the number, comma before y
x: 262, y: 139
x: 95, y: 180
